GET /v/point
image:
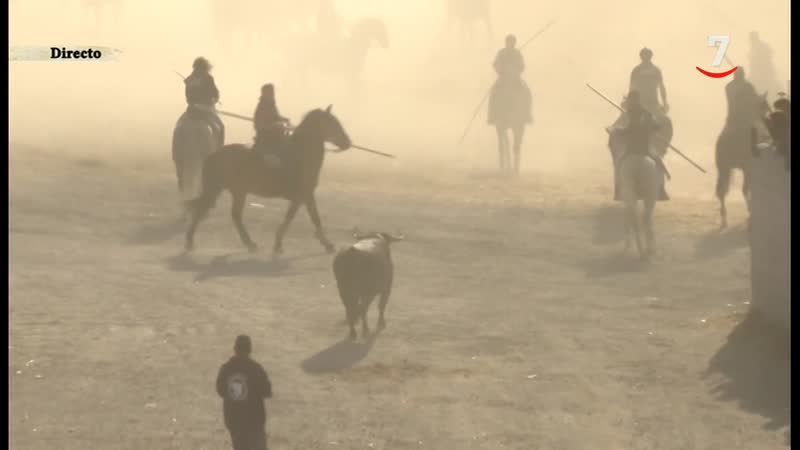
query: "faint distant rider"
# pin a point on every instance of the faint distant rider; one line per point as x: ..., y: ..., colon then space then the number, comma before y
x: 509, y: 65
x: 243, y: 384
x: 648, y: 82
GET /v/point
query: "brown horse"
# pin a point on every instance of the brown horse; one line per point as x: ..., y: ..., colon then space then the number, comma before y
x: 241, y: 171
x: 734, y: 150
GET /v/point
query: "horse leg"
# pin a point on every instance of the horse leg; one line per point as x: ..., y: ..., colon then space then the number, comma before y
x: 198, y: 214
x: 313, y: 213
x: 519, y: 134
x: 633, y: 224
x: 237, y: 211
x: 502, y: 147
x: 290, y: 213
x: 723, y: 184
x: 647, y: 218
x: 746, y: 189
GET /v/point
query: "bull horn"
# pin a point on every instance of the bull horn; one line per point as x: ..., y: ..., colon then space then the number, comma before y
x: 328, y: 109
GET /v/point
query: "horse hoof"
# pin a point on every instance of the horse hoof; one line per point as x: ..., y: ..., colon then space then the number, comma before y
x: 252, y: 247
x: 189, y: 246
x: 277, y: 250
x: 330, y: 248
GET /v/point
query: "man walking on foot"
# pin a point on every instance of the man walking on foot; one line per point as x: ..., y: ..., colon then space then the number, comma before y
x: 243, y: 385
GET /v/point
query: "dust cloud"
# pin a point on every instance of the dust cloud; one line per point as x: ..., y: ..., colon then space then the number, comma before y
x: 415, y: 97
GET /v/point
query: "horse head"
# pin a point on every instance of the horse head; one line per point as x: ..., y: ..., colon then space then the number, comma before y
x: 333, y: 131
x: 371, y: 29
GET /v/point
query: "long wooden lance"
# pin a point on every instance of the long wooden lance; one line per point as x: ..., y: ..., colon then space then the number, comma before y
x: 239, y: 116
x: 358, y: 147
x: 611, y: 102
x: 486, y: 96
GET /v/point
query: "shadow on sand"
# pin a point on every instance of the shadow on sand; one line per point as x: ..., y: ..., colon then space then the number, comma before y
x: 156, y: 233
x: 609, y: 225
x: 341, y: 355
x: 223, y: 266
x: 615, y: 264
x: 717, y: 243
x: 756, y: 364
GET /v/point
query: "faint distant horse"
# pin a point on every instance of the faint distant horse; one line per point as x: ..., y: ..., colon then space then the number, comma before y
x: 510, y: 109
x: 464, y: 14
x: 251, y: 20
x: 344, y: 57
x: 104, y: 11
x: 193, y: 140
x: 734, y: 150
x: 241, y: 171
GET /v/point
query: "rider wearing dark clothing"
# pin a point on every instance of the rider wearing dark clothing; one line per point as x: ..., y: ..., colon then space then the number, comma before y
x: 509, y: 64
x: 243, y: 385
x: 647, y: 80
x: 269, y: 124
x: 741, y: 94
x: 202, y: 95
x: 778, y: 124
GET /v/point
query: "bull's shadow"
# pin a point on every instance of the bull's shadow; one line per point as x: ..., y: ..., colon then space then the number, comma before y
x: 341, y: 355
x: 226, y: 266
x: 755, y: 363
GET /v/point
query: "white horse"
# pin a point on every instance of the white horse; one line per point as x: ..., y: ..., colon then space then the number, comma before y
x: 192, y: 141
x: 640, y: 177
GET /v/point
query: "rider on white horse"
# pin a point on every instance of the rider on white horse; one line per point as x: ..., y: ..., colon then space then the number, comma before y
x: 637, y: 134
x: 509, y: 65
x: 201, y: 97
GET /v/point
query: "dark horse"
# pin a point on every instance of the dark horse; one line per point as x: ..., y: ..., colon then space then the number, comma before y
x: 734, y: 151
x: 510, y: 105
x: 241, y: 171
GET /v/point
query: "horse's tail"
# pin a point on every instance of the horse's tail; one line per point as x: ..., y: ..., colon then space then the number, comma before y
x: 212, y: 186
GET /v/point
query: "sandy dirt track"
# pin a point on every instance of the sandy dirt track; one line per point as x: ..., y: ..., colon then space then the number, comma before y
x: 515, y: 322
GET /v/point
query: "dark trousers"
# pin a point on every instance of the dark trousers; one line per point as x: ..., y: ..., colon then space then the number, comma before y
x: 254, y: 438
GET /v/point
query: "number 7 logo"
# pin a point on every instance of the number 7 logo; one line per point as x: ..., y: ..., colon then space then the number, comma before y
x: 723, y: 42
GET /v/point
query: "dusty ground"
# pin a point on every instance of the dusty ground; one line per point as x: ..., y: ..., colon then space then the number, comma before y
x: 516, y: 322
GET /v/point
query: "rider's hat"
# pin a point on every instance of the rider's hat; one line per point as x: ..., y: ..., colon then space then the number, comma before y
x: 267, y: 89
x: 645, y: 53
x: 201, y: 63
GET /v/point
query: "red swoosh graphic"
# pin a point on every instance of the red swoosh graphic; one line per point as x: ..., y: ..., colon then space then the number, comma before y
x: 716, y: 74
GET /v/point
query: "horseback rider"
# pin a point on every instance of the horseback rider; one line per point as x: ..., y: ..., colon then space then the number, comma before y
x: 778, y: 124
x: 637, y: 134
x: 202, y: 95
x: 271, y: 127
x: 740, y: 93
x: 509, y: 65
x: 647, y: 80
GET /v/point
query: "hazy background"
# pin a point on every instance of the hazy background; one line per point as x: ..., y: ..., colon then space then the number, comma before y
x: 417, y: 96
